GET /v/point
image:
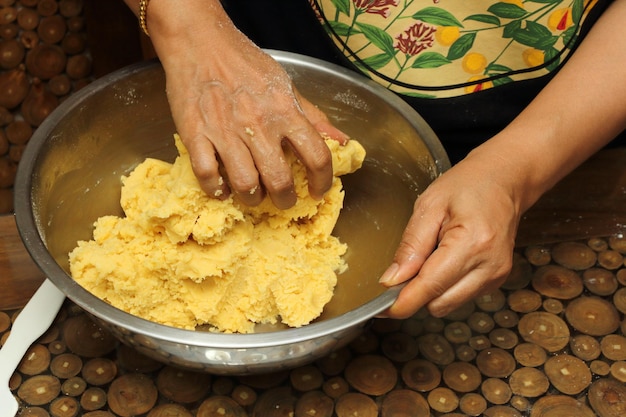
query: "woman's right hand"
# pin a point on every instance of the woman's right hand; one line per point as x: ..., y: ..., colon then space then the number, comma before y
x: 236, y: 108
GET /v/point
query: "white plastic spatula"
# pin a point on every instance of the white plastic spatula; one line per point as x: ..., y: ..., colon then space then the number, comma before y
x: 34, y: 319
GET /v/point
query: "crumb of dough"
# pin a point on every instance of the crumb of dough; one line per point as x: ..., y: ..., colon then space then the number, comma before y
x: 183, y: 259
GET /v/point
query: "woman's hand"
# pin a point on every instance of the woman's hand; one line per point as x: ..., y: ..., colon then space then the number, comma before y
x: 459, y: 241
x: 236, y: 108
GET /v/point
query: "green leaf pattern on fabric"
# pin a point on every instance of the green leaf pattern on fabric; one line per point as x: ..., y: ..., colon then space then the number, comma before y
x: 444, y: 48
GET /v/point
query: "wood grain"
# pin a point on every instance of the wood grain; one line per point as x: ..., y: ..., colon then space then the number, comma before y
x: 19, y: 275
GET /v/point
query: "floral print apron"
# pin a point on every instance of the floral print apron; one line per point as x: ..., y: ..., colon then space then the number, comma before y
x: 448, y: 48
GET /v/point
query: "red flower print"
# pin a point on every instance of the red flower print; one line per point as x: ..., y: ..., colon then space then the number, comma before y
x: 380, y: 7
x: 416, y: 38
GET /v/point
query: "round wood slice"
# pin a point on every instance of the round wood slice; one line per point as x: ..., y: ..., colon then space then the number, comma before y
x: 506, y: 318
x: 598, y: 244
x: 169, y: 410
x: 600, y: 281
x: 544, y: 329
x: 335, y: 387
x: 355, y: 404
x: 599, y: 367
x: 39, y: 389
x: 64, y: 407
x: 93, y: 398
x: 524, y: 301
x: 5, y: 321
x: 530, y: 354
x: 371, y: 374
x: 567, y: 373
x: 132, y: 394
x: 621, y: 275
x: 522, y: 404
x: 183, y: 386
x: 66, y: 365
x: 35, y: 361
x: 491, y: 302
x: 618, y: 371
x: 610, y: 259
x: 244, y: 395
x: 558, y: 282
x: 481, y: 322
x: 473, y: 404
x: 592, y: 315
x: 57, y: 347
x: 538, y: 255
x: 465, y: 353
x: 443, y: 399
x: 619, y: 300
x: 275, y: 402
x: 574, y: 255
x: 607, y: 397
x: 36, y: 412
x: 503, y: 338
x: 433, y: 324
x: 457, y: 332
x: 405, y: 403
x: 399, y: 347
x: 462, y: 377
x: 86, y: 338
x: 99, y: 371
x: 613, y: 346
x: 618, y: 243
x: 421, y: 375
x: 552, y: 305
x: 585, y: 347
x: 502, y: 411
x: 219, y: 405
x: 435, y: 348
x: 314, y: 404
x: 528, y: 382
x: 495, y: 362
x: 496, y: 391
x: 560, y: 406
x: 480, y: 342
x: 306, y: 378
x: 74, y: 386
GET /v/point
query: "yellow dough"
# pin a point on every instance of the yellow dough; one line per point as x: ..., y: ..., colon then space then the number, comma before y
x: 185, y: 260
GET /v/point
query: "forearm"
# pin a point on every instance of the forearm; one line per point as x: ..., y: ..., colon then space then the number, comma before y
x: 579, y: 111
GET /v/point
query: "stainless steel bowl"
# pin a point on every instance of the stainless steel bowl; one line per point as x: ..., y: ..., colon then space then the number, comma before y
x: 70, y: 175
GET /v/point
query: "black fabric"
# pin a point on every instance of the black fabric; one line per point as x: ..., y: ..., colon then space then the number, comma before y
x: 461, y: 123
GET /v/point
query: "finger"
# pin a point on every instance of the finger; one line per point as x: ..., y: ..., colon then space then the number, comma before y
x: 320, y: 121
x: 205, y: 165
x: 314, y: 154
x: 418, y: 242
x: 243, y: 175
x: 438, y: 274
x: 472, y: 285
x: 274, y: 170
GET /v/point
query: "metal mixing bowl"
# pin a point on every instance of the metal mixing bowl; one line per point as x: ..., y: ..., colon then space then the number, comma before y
x: 70, y: 175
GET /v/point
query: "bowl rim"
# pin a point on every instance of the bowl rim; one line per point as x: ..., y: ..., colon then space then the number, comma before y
x: 29, y: 231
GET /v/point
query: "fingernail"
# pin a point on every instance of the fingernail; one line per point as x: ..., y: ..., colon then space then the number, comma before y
x: 390, y: 274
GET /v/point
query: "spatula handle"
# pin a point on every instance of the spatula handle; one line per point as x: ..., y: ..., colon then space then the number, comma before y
x: 34, y: 319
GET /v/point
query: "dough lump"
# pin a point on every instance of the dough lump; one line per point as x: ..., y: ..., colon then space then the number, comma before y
x: 183, y: 259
